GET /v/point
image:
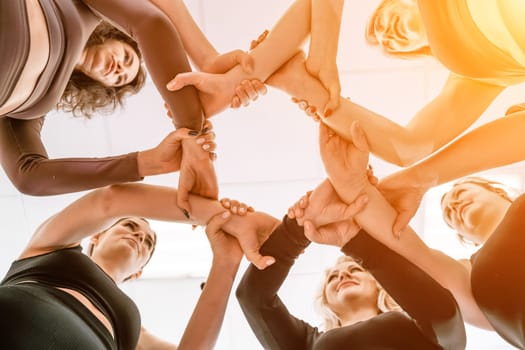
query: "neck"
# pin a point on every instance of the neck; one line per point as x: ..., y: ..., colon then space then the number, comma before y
x: 115, y: 274
x: 352, y: 316
x: 81, y: 60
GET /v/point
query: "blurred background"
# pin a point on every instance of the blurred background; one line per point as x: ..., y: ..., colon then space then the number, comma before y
x: 267, y: 157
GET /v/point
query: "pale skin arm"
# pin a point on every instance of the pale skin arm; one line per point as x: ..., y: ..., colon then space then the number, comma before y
x: 322, y: 54
x: 492, y: 145
x: 342, y: 160
x: 207, y: 317
x: 98, y: 209
x: 459, y: 104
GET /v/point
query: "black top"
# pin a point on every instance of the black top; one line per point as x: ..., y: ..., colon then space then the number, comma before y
x: 70, y: 268
x: 435, y: 324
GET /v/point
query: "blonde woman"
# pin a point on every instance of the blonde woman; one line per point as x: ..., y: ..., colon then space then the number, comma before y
x: 358, y: 313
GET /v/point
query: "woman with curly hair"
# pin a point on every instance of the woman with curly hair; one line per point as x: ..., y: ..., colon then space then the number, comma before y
x: 43, y: 43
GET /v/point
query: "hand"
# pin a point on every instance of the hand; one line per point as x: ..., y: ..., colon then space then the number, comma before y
x: 248, y: 90
x: 345, y: 162
x: 405, y: 195
x: 328, y: 74
x: 323, y: 206
x: 236, y: 207
x: 226, y: 61
x: 260, y: 39
x: 310, y: 111
x: 197, y: 176
x: 223, y: 245
x: 251, y: 231
x: 166, y: 156
x: 337, y: 234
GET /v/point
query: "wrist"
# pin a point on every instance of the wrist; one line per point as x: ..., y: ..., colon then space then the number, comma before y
x: 144, y: 163
x: 348, y: 191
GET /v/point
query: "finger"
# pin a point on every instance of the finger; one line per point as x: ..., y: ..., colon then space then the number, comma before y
x: 249, y: 89
x: 213, y: 156
x: 183, y: 201
x: 311, y: 111
x: 242, y: 95
x: 225, y: 202
x: 209, y: 146
x: 235, y: 103
x: 259, y: 87
x: 291, y: 213
x: 234, y: 206
x: 355, y: 207
x: 261, y: 262
x: 303, y: 105
x: 208, y: 126
x: 214, y: 225
x: 183, y: 79
x: 324, y: 132
x: 333, y: 103
x: 182, y: 134
x: 228, y: 60
x: 401, y: 223
x: 303, y: 202
x: 358, y: 137
x: 260, y: 39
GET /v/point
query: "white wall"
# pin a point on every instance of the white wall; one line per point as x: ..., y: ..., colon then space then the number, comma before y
x: 268, y: 157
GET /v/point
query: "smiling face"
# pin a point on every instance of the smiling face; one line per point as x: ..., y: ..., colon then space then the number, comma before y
x: 112, y: 63
x: 349, y: 285
x: 127, y: 246
x: 473, y: 211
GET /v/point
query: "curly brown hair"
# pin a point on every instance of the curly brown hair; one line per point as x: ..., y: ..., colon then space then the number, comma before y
x: 84, y: 96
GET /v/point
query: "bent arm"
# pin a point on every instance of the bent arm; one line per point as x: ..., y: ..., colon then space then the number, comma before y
x: 492, y: 145
x: 460, y: 103
x: 268, y: 317
x: 26, y: 163
x: 98, y: 209
x: 163, y: 53
x: 377, y: 219
x: 433, y: 307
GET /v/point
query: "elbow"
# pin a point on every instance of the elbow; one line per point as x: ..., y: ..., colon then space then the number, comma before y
x: 106, y: 199
x: 448, y: 326
x: 29, y: 185
x: 409, y: 150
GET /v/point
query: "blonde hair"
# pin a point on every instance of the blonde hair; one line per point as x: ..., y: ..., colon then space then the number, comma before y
x: 496, y: 187
x: 387, y: 28
x: 385, y: 302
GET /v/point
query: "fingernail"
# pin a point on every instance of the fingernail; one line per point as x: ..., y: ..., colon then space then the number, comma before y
x: 242, y: 210
x: 200, y: 140
x: 205, y: 130
x: 225, y: 215
x: 186, y: 214
x: 205, y: 147
x: 328, y: 113
x: 193, y: 133
x: 270, y: 261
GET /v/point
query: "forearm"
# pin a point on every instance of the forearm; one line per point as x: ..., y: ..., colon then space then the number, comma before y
x: 492, y: 145
x: 326, y: 22
x: 283, y: 41
x: 205, y: 323
x: 195, y: 42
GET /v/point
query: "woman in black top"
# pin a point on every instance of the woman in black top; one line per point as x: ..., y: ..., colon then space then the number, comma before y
x: 488, y: 288
x: 53, y: 296
x: 431, y: 321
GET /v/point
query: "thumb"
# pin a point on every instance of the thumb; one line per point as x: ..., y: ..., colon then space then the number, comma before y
x: 310, y: 231
x: 260, y: 261
x: 182, y: 134
x: 333, y: 103
x: 358, y: 136
x: 183, y: 201
x: 214, y: 225
x: 183, y: 79
x: 245, y: 61
x: 401, y: 223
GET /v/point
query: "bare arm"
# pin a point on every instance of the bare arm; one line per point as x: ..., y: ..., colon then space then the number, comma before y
x: 460, y: 103
x: 345, y: 161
